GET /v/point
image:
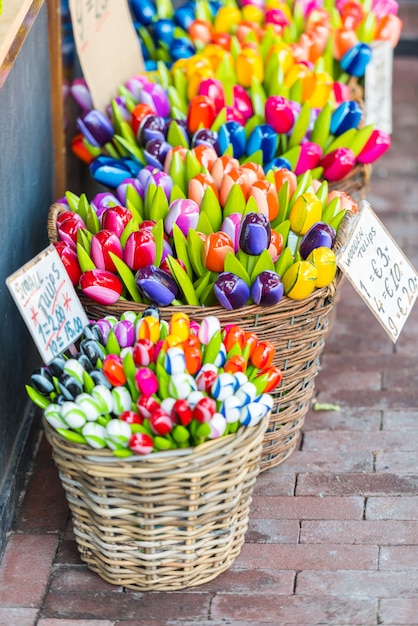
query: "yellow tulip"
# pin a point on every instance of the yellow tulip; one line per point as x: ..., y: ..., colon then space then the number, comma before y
x: 305, y: 212
x: 299, y: 280
x: 227, y: 19
x: 249, y: 65
x: 325, y: 262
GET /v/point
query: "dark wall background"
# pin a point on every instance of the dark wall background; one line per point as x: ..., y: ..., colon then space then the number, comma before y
x: 26, y: 192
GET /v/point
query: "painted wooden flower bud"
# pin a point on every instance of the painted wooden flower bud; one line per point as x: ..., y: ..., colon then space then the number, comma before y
x: 100, y: 379
x: 69, y: 387
x: 155, y: 152
x: 180, y: 386
x: 146, y: 381
x: 249, y: 64
x: 94, y: 434
x: 209, y: 326
x: 310, y: 155
x: 41, y: 379
x: 233, y: 134
x: 140, y: 249
x: 73, y: 414
x: 231, y: 408
x: 355, y: 60
x: 217, y: 425
x: 271, y: 376
x: 118, y: 434
x: 90, y: 406
x: 252, y: 413
x: 115, y: 219
x: 235, y: 363
x: 125, y: 333
x: 184, y: 213
x: 389, y: 25
x: 103, y: 201
x: 81, y: 93
x: 255, y: 233
x: 122, y: 400
x: 102, y: 243
x: 299, y: 280
x: 69, y: 260
x: 151, y: 127
x: 93, y: 350
x: 223, y: 386
x: 325, y: 262
x: 146, y: 405
x: 140, y: 443
x: 74, y: 368
x: 213, y: 89
x: 206, y: 377
x: 95, y: 127
x: 215, y: 249
x: 376, y: 146
x: 263, y: 355
x: 156, y: 97
x: 113, y: 370
x: 201, y: 113
x: 246, y: 393
x: 181, y: 412
x: 234, y: 337
x: 320, y: 234
x: 138, y: 114
x: 346, y: 116
x: 156, y: 285
x: 267, y: 289
x: 263, y: 138
x: 193, y: 358
x: 160, y: 422
x: 279, y: 114
x: 305, y: 212
x: 52, y: 414
x: 204, y: 410
x: 265, y: 195
x: 337, y: 164
x: 242, y: 102
x: 175, y: 361
x: 276, y: 245
x: 67, y: 230
x: 149, y: 325
x: 143, y: 352
x: 231, y: 291
x: 131, y: 417
x: 231, y: 226
x: 179, y: 325
x: 101, y: 286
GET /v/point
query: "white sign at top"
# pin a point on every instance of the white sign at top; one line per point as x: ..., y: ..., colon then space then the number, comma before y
x: 378, y: 87
x: 107, y: 45
x: 379, y: 271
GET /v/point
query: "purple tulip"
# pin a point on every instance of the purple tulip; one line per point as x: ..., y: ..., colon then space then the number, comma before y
x: 231, y: 226
x: 81, y: 94
x: 115, y: 219
x: 231, y: 291
x: 102, y: 243
x: 184, y: 213
x: 205, y: 137
x: 255, y: 233
x: 103, y: 201
x: 156, y: 285
x: 267, y: 289
x: 125, y: 333
x: 95, y: 127
x: 161, y: 179
x: 167, y: 250
x: 140, y: 249
x: 376, y: 145
x: 156, y: 97
x: 122, y: 189
x: 151, y: 127
x: 156, y: 151
x: 135, y: 85
x: 319, y: 235
x: 120, y: 102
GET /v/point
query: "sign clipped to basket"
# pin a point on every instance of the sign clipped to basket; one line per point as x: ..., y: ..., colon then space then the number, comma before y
x: 107, y: 46
x: 48, y: 303
x: 379, y: 271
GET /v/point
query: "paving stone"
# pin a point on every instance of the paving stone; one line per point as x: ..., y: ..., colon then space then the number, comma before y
x: 357, y: 584
x: 392, y: 508
x: 18, y: 617
x: 261, y: 530
x: 307, y: 507
x: 398, y: 611
x: 350, y: 484
x: 403, y: 558
x: 377, y: 532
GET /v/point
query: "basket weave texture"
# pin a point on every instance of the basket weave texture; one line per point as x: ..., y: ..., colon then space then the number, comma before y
x: 297, y: 328
x: 166, y: 521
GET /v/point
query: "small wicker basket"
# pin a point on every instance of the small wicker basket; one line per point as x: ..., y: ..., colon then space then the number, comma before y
x: 297, y: 328
x: 167, y: 521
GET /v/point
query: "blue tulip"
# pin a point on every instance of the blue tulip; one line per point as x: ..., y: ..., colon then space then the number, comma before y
x: 144, y: 11
x: 232, y: 133
x: 345, y: 117
x: 278, y: 163
x: 184, y: 16
x: 110, y: 172
x: 163, y: 31
x: 355, y: 60
x: 263, y: 138
x: 181, y: 48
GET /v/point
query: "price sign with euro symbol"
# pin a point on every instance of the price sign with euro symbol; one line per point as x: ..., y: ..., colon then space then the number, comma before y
x: 379, y: 271
x: 48, y: 303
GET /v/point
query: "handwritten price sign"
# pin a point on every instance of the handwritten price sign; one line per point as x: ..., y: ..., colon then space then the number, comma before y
x: 107, y: 46
x: 48, y: 303
x: 379, y: 271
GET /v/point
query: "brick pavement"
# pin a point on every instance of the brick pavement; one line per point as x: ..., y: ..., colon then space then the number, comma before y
x: 333, y: 535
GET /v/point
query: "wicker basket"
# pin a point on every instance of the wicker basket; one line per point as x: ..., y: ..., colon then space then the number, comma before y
x: 296, y: 328
x: 355, y: 184
x: 166, y: 521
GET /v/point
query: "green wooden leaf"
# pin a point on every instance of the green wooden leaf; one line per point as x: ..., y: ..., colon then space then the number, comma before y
x: 283, y: 229
x: 342, y: 141
x: 296, y: 91
x: 304, y: 181
x: 284, y: 198
x: 72, y: 200
x: 301, y: 125
x: 220, y: 119
x: 251, y: 206
x: 211, y: 207
x: 149, y: 199
x: 158, y: 234
x: 264, y: 262
x: 233, y: 265
x: 127, y: 277
x: 135, y: 214
x: 194, y: 249
x: 361, y: 138
x: 208, y: 297
x: 127, y: 133
x: 235, y: 202
x: 177, y: 171
x: 83, y: 205
x: 193, y: 167
x: 337, y: 219
x: 180, y: 245
x: 176, y: 100
x: 176, y: 193
x: 183, y: 281
x: 92, y: 221
x: 322, y: 193
x: 175, y: 136
x: 84, y: 239
x: 132, y: 149
x: 203, y: 224
x: 211, y: 350
x: 201, y: 284
x: 255, y: 157
x: 258, y: 97
x: 321, y: 127
x: 293, y: 242
x: 252, y: 123
x: 292, y: 156
x: 131, y: 226
x: 284, y: 261
x: 331, y: 210
x: 159, y: 208
x: 164, y: 75
x: 180, y: 83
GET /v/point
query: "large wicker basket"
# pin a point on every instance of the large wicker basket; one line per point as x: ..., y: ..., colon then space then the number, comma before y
x: 166, y: 521
x: 296, y: 328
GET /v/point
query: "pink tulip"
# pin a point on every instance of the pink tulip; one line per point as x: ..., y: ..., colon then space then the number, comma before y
x: 102, y: 243
x: 140, y: 249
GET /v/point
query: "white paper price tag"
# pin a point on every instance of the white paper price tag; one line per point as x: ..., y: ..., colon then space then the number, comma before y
x: 379, y: 271
x: 48, y: 303
x: 107, y: 46
x: 378, y: 87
